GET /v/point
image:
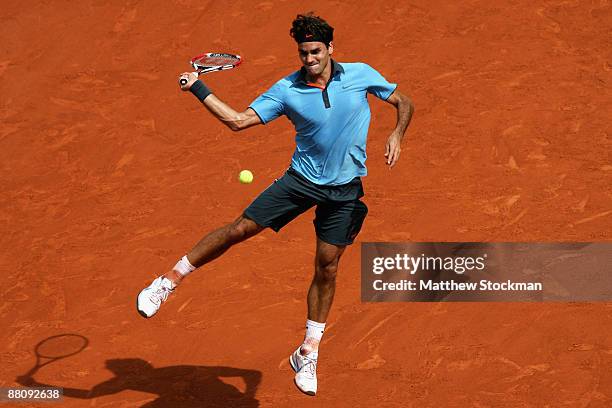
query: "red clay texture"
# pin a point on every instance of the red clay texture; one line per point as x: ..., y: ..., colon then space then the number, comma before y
x: 109, y: 174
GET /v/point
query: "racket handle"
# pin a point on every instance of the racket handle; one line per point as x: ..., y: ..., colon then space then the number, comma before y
x: 183, y: 81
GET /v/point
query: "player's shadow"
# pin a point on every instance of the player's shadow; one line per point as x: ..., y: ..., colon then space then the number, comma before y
x: 179, y: 386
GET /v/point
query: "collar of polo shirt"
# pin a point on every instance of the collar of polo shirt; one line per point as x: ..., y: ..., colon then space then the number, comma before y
x: 336, y: 70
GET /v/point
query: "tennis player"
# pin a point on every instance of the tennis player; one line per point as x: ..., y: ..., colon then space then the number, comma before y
x: 327, y: 103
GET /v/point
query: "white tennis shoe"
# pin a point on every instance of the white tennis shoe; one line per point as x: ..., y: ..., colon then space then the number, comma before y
x: 150, y: 299
x: 305, y: 368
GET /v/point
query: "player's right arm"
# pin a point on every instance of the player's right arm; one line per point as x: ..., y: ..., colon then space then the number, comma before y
x: 228, y: 116
x: 222, y: 111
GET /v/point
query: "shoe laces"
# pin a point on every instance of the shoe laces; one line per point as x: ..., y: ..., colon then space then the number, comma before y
x: 160, y: 294
x: 310, y: 366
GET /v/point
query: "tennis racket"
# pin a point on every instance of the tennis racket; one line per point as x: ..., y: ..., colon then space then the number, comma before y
x: 212, y: 62
x: 56, y: 348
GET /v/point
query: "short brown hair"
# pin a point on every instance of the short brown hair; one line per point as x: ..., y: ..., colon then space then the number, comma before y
x: 308, y: 27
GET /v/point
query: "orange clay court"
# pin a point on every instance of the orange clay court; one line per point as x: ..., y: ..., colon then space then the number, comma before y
x: 110, y: 173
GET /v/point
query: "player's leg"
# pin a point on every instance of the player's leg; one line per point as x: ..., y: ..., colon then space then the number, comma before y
x: 320, y: 298
x: 337, y: 225
x: 210, y: 247
x: 323, y: 286
x: 215, y: 244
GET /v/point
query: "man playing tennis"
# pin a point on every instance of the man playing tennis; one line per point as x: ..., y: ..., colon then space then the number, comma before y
x: 327, y: 103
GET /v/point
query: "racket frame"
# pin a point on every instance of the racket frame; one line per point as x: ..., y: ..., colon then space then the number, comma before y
x: 51, y: 359
x: 40, y: 355
x: 206, y: 69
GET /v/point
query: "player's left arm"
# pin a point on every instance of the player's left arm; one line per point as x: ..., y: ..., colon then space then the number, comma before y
x: 108, y: 387
x: 405, y: 109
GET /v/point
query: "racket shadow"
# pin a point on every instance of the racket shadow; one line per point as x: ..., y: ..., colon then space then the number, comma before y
x: 175, y: 386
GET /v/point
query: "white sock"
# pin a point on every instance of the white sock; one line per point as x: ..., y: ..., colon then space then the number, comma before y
x: 314, y: 333
x: 184, y: 267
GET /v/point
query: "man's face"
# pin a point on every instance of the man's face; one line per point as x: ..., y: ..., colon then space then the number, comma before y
x: 314, y: 56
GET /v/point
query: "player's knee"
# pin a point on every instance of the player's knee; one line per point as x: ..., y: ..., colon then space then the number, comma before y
x: 237, y: 232
x: 242, y: 229
x: 327, y: 271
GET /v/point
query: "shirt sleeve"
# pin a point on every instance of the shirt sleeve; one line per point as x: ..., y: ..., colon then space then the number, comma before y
x: 377, y: 85
x: 270, y: 105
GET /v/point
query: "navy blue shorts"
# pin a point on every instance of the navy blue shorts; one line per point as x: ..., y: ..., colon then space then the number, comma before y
x: 338, y: 217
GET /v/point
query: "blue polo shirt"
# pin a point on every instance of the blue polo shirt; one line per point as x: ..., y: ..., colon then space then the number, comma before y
x: 331, y: 124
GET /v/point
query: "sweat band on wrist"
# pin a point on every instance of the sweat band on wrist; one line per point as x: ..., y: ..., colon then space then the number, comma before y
x: 200, y: 90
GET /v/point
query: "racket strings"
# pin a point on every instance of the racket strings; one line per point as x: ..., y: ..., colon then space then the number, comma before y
x: 215, y: 61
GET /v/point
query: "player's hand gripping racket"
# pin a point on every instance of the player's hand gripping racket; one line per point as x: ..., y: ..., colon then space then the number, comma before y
x: 55, y: 348
x: 211, y: 62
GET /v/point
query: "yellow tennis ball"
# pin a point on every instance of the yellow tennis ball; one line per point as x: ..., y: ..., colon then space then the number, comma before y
x: 245, y: 177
